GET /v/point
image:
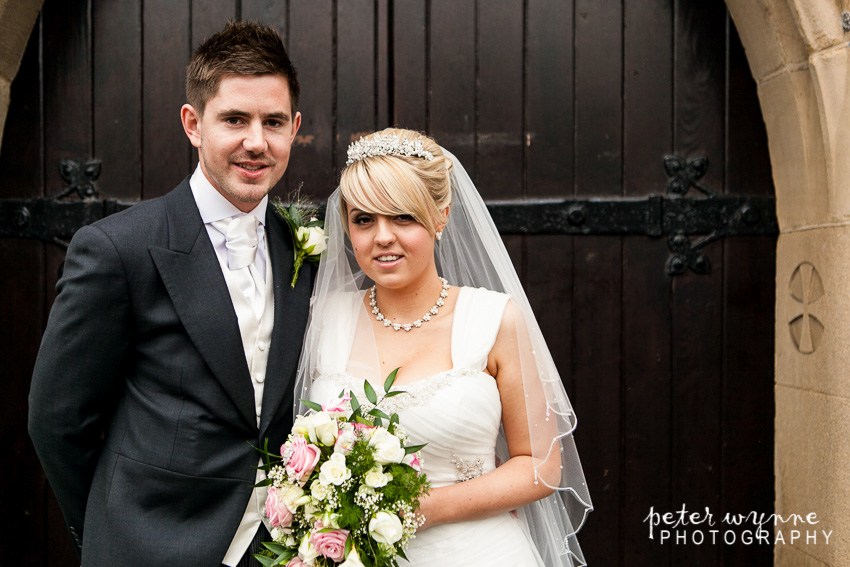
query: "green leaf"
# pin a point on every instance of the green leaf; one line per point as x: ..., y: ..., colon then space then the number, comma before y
x: 388, y: 383
x: 312, y: 223
x: 275, y: 547
x: 295, y: 214
x: 370, y: 392
x: 395, y: 393
x: 378, y: 413
x: 267, y: 561
x: 394, y: 419
x: 262, y: 483
x: 312, y: 405
x: 413, y: 448
x: 355, y: 406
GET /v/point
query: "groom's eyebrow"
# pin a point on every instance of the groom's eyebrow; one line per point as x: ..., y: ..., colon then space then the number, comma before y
x: 282, y: 116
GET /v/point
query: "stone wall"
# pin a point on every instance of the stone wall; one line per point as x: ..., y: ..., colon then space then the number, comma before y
x: 799, y: 55
x: 16, y: 21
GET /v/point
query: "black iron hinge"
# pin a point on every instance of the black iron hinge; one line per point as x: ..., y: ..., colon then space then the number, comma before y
x: 673, y: 215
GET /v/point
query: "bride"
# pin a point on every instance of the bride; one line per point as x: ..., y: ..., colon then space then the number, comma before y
x: 416, y: 277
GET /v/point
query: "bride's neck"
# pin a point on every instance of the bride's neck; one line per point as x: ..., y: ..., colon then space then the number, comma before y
x: 411, y: 301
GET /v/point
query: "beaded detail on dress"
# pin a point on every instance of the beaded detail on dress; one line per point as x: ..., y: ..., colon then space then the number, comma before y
x: 415, y: 394
x: 467, y: 469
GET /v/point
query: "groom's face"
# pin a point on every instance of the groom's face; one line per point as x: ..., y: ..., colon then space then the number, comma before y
x: 244, y: 136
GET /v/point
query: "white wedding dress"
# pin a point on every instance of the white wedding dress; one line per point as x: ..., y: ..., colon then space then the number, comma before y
x: 458, y: 414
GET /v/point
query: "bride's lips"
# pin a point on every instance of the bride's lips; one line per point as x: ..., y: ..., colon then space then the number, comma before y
x: 388, y: 260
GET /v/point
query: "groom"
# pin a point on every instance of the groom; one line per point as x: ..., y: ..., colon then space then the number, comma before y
x: 172, y: 346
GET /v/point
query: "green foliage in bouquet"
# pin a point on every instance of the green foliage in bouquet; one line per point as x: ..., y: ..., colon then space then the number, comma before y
x: 345, y: 488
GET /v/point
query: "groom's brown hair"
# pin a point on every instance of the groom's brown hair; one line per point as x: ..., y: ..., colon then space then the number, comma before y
x: 241, y: 48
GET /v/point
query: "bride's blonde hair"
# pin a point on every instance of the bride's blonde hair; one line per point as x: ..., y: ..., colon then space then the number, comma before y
x: 396, y: 184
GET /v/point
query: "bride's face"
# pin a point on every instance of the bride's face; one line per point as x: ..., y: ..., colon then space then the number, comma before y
x: 394, y: 251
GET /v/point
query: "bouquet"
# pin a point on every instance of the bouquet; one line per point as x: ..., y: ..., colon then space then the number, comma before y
x: 345, y: 488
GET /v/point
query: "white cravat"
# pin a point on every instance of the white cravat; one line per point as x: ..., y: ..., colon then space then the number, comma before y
x: 240, y: 233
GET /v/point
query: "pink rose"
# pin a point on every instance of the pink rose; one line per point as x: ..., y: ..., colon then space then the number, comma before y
x: 413, y: 462
x: 278, y: 514
x: 303, y: 458
x: 339, y: 407
x: 330, y: 544
x: 365, y: 430
x: 296, y: 562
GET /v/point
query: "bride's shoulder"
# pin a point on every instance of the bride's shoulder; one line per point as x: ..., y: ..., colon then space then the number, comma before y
x: 483, y: 294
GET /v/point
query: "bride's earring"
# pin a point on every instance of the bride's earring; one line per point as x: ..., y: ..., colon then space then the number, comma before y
x: 438, y: 235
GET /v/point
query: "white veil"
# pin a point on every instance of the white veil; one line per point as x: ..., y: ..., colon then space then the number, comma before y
x: 470, y: 253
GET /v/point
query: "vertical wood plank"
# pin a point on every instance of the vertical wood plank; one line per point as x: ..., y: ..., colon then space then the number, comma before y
x: 311, y: 48
x: 749, y: 272
x: 24, y: 491
x: 409, y: 64
x: 356, y: 73
x: 549, y: 108
x: 209, y: 17
x: 697, y: 303
x: 548, y: 94
x: 597, y: 273
x: 648, y: 136
x: 167, y: 156
x: 272, y: 12
x: 67, y: 87
x: 499, y: 102
x: 383, y: 60
x: 67, y: 76
x: 117, y: 41
x: 451, y: 96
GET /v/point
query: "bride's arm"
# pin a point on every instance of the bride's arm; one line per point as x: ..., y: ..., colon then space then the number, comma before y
x: 512, y: 485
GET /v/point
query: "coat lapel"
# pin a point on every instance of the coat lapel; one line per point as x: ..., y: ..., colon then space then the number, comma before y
x: 291, y: 307
x: 192, y: 276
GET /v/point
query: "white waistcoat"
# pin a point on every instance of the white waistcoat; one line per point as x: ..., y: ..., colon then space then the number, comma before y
x: 256, y: 338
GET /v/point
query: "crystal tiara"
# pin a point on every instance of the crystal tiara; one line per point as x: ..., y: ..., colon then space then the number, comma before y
x: 386, y: 145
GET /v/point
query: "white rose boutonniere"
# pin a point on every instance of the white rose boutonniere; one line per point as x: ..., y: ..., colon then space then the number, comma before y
x: 308, y: 237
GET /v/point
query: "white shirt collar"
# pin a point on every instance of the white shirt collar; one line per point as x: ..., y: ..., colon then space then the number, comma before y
x: 213, y: 206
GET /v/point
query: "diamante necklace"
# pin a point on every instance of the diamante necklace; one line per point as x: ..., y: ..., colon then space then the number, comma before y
x: 373, y: 303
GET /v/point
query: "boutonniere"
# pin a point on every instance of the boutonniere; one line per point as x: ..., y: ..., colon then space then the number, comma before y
x: 308, y: 237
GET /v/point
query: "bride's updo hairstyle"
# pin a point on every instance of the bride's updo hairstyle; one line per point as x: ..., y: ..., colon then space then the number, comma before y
x: 397, y: 172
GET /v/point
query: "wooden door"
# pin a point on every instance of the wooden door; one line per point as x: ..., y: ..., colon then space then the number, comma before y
x: 671, y: 376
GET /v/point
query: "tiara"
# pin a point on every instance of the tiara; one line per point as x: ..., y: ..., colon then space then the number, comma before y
x: 386, y: 145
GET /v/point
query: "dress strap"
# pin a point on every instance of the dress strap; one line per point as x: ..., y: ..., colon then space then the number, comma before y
x: 477, y: 319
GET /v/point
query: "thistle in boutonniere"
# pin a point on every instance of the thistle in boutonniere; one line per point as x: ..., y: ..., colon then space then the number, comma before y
x: 308, y: 237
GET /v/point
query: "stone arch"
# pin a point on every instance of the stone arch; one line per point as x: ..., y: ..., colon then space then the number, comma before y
x: 16, y: 21
x: 800, y: 58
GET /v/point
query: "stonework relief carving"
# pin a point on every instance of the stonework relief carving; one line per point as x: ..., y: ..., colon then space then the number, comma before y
x: 806, y: 288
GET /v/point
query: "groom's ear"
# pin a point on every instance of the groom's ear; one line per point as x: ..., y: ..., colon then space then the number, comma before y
x: 191, y: 120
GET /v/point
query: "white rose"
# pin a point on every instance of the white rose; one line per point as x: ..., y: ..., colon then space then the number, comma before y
x: 376, y: 478
x: 309, y: 513
x: 385, y: 528
x: 327, y: 433
x: 315, y: 238
x: 334, y: 471
x: 316, y: 422
x: 353, y: 559
x: 300, y: 426
x: 306, y: 552
x: 345, y: 442
x: 388, y: 447
x: 319, y: 491
x: 295, y: 497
